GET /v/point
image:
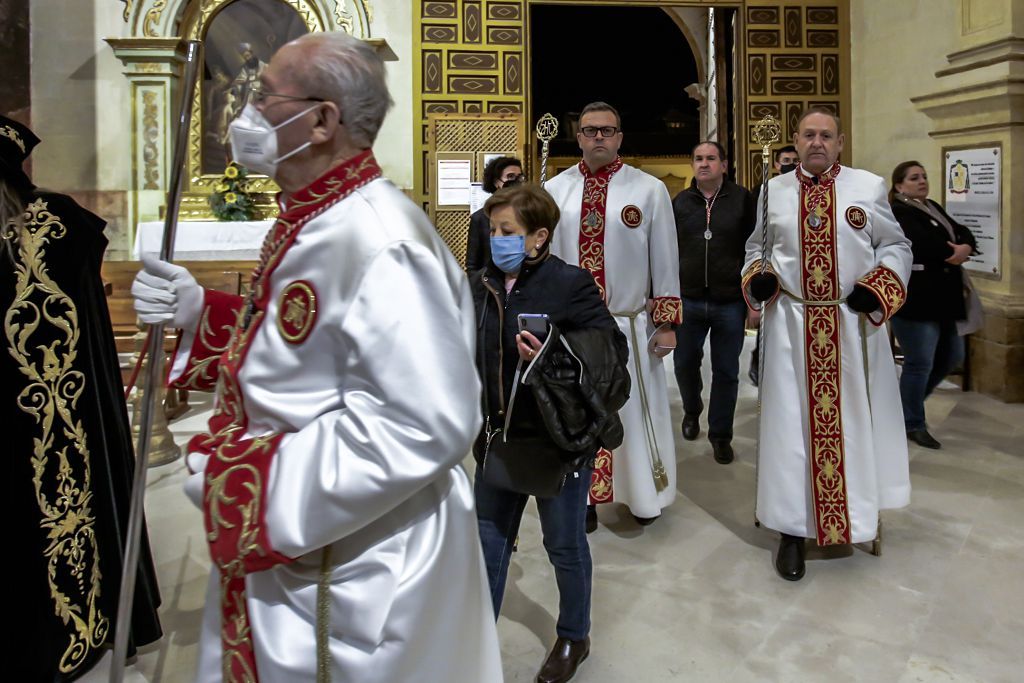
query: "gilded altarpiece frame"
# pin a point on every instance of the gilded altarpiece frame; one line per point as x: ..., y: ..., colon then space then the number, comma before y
x: 153, y: 57
x: 474, y: 56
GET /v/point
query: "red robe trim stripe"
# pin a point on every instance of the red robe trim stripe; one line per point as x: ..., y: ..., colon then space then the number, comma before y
x: 592, y: 219
x: 592, y: 222
x: 237, y: 471
x: 822, y: 351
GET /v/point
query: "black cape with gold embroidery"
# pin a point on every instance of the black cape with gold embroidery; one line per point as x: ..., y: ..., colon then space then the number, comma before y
x: 69, y: 451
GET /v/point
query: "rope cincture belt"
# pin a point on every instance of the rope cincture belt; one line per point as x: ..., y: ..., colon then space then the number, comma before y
x: 657, y: 467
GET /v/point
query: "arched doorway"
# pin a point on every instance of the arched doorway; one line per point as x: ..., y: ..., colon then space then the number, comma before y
x: 651, y: 63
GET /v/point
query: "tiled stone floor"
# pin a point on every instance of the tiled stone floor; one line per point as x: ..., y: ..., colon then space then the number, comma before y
x: 694, y: 596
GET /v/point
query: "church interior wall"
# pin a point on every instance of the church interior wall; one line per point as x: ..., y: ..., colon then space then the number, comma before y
x: 896, y: 48
x: 929, y: 77
x: 392, y: 20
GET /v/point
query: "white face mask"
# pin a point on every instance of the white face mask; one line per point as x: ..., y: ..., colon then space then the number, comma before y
x: 254, y: 140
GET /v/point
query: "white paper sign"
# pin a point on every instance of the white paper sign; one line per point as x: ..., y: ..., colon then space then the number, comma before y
x: 973, y: 180
x: 453, y: 178
x: 477, y: 197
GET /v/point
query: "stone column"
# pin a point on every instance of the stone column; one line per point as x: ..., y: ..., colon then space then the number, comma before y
x: 978, y: 100
x: 153, y: 67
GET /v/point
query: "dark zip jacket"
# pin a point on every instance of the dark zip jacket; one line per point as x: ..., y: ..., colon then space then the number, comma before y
x: 570, y: 298
x: 711, y: 268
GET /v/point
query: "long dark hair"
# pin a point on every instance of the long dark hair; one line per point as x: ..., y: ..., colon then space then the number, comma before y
x: 899, y: 174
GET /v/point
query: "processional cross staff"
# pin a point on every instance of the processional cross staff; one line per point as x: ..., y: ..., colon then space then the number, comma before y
x: 154, y: 373
x: 547, y: 129
x: 767, y: 132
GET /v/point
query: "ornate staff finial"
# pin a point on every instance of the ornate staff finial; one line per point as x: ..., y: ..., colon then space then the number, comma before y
x: 767, y: 132
x: 547, y: 129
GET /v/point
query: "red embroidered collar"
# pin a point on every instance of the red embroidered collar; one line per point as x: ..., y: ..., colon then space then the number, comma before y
x: 333, y: 186
x: 824, y: 180
x: 606, y: 171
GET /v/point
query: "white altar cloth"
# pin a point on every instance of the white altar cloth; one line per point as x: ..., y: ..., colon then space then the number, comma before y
x: 205, y: 240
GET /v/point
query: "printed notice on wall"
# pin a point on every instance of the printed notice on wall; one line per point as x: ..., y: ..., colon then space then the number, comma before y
x: 972, y: 179
x: 453, y: 178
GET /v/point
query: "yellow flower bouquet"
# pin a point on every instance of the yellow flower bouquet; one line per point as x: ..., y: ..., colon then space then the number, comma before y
x: 230, y: 201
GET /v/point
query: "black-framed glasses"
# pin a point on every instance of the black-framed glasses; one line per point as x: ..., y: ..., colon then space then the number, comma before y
x: 605, y: 131
x: 259, y: 96
x: 513, y: 179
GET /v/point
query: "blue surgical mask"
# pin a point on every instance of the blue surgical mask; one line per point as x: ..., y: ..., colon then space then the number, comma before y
x: 508, y: 252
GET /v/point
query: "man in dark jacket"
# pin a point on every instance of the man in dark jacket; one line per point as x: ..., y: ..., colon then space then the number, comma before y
x: 714, y: 217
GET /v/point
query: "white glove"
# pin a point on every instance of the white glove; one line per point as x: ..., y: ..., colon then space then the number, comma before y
x: 166, y: 293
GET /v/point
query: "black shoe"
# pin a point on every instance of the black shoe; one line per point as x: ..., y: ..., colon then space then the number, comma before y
x: 691, y: 426
x: 789, y: 563
x: 645, y: 521
x: 723, y: 452
x: 591, y: 519
x: 563, y: 660
x: 922, y: 438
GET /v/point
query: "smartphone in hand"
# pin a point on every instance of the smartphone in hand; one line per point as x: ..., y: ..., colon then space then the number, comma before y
x: 534, y: 323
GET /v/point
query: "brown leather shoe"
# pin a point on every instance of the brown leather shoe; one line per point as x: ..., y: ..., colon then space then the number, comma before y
x: 563, y: 660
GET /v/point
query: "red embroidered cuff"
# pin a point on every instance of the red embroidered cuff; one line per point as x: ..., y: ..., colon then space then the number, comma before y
x: 667, y: 310
x: 212, y: 336
x: 752, y: 270
x: 890, y: 291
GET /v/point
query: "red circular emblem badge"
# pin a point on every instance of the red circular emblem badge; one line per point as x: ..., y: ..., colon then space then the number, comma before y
x: 856, y: 217
x: 632, y: 216
x: 296, y: 311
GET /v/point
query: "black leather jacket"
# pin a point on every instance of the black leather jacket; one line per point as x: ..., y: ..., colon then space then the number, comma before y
x: 571, y: 300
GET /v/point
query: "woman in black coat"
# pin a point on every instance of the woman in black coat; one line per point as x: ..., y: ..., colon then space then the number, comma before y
x: 523, y: 277
x: 926, y: 326
x: 498, y: 173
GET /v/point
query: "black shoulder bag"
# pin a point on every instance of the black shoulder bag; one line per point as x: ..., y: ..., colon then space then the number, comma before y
x: 524, y: 463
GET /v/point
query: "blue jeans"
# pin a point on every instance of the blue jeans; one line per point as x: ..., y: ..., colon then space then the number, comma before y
x: 563, y: 525
x: 725, y: 322
x: 931, y: 350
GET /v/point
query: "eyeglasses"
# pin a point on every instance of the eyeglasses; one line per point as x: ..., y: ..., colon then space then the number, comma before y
x: 592, y: 131
x: 260, y: 96
x: 513, y: 179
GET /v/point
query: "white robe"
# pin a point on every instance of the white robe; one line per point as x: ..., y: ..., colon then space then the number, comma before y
x: 873, y: 445
x: 378, y: 406
x: 641, y: 264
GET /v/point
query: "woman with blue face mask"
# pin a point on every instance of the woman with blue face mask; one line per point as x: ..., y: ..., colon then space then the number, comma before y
x: 523, y: 277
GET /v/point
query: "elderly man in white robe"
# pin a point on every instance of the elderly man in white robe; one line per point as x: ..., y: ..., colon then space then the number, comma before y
x: 617, y: 223
x: 338, y: 516
x: 832, y: 451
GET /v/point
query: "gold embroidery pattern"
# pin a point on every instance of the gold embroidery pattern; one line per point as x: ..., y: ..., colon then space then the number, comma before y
x: 197, y: 376
x: 11, y: 134
x: 60, y: 459
x: 890, y: 290
x: 601, y: 480
x: 592, y: 219
x: 820, y: 282
x: 667, y: 309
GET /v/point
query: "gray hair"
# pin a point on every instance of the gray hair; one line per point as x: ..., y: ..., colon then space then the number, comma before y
x: 348, y: 72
